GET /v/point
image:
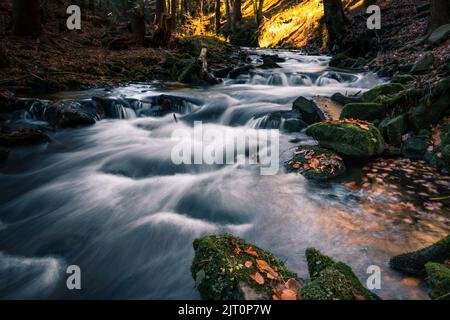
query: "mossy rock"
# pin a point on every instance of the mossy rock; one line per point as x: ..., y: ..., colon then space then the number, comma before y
x: 438, y: 280
x: 402, y: 78
x: 341, y: 60
x: 432, y: 106
x: 332, y: 280
x: 377, y: 93
x: 394, y: 129
x: 413, y: 263
x: 348, y: 138
x: 220, y: 272
x: 316, y: 163
x: 440, y: 34
x: 368, y: 111
x: 424, y: 63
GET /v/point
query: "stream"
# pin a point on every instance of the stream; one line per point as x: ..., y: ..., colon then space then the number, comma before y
x: 109, y: 199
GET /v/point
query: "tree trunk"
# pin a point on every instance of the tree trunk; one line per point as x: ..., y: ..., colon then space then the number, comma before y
x: 237, y: 13
x: 159, y: 11
x: 336, y: 23
x: 139, y: 24
x: 26, y: 17
x: 173, y: 14
x: 440, y: 14
x: 259, y: 11
x: 217, y: 16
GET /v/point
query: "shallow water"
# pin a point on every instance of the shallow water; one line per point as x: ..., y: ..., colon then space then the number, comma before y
x: 109, y: 199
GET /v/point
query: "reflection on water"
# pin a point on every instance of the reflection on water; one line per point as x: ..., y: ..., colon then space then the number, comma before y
x: 108, y: 198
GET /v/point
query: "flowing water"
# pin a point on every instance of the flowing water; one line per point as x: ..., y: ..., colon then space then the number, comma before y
x: 109, y: 199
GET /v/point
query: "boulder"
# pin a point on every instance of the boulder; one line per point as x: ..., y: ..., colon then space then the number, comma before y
x: 413, y: 263
x: 415, y: 147
x: 431, y: 107
x: 309, y: 111
x: 394, y: 129
x: 343, y: 100
x: 439, y: 35
x: 316, y: 163
x: 341, y: 60
x: 332, y: 280
x: 351, y: 138
x: 368, y: 111
x: 22, y: 137
x: 402, y: 78
x: 72, y: 114
x: 377, y: 93
x: 424, y: 63
x: 269, y: 62
x: 229, y: 268
x: 438, y: 280
x: 236, y: 72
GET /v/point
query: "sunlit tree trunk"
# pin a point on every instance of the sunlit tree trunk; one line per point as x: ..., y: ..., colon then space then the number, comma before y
x: 26, y: 17
x: 336, y: 23
x: 440, y: 13
x: 217, y: 15
x: 258, y: 10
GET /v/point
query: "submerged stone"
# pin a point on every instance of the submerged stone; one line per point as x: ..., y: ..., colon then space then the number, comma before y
x: 414, y: 262
x: 22, y: 137
x: 354, y: 139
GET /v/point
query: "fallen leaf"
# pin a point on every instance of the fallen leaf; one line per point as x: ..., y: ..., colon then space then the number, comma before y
x: 263, y: 266
x: 251, y: 251
x: 411, y: 282
x: 293, y: 284
x: 258, y: 278
x: 288, y: 294
x: 351, y: 185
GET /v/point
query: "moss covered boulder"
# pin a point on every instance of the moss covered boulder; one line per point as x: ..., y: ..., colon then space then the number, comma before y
x: 379, y: 92
x: 438, y: 280
x: 368, y: 111
x: 229, y: 268
x: 424, y: 63
x: 332, y: 280
x: 394, y: 129
x: 351, y: 138
x: 413, y: 263
x: 309, y: 111
x: 316, y: 163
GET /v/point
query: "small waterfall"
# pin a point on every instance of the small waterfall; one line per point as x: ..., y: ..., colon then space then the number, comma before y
x: 278, y: 79
x: 265, y: 122
x: 300, y: 80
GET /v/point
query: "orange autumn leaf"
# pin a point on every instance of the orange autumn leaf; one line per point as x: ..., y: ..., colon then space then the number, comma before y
x: 351, y: 185
x: 237, y: 250
x: 288, y: 294
x: 251, y: 251
x: 275, y: 297
x: 411, y: 282
x: 258, y: 278
x: 293, y: 285
x: 263, y: 266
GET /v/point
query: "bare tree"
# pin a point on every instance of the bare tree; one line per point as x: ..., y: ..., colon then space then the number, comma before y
x: 26, y: 17
x: 237, y: 13
x: 336, y: 23
x: 217, y: 15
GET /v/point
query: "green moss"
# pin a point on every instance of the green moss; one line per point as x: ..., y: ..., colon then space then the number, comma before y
x: 395, y: 129
x: 332, y: 280
x: 377, y: 93
x: 218, y: 269
x: 348, y: 139
x: 414, y: 262
x: 439, y: 281
x: 317, y: 262
x: 368, y: 111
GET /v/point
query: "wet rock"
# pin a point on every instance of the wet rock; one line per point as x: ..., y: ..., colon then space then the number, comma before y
x: 377, y: 93
x: 438, y: 280
x: 294, y: 125
x: 332, y: 280
x: 23, y: 137
x: 415, y: 147
x: 316, y: 163
x: 439, y: 35
x: 341, y: 60
x: 343, y: 100
x: 424, y: 63
x: 269, y: 62
x: 432, y: 106
x: 368, y: 111
x: 223, y: 265
x: 222, y: 73
x: 112, y: 107
x: 394, y: 129
x: 164, y: 104
x: 72, y: 114
x: 309, y: 111
x: 413, y: 263
x: 354, y: 139
x: 402, y: 78
x: 7, y: 100
x: 236, y: 72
